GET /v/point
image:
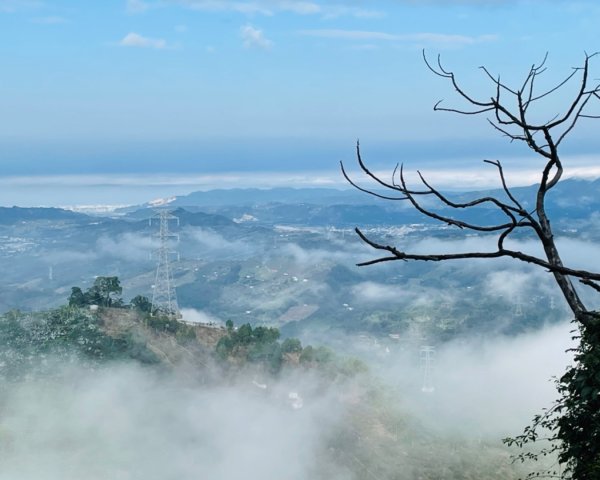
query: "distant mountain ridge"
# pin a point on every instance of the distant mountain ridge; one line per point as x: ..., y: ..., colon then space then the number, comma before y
x: 11, y: 215
x: 570, y: 199
x: 587, y: 189
x: 256, y: 196
x: 186, y: 217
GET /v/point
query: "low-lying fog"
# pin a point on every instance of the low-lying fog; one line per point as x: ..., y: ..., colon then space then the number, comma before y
x: 487, y: 387
x: 127, y: 422
x: 124, y: 422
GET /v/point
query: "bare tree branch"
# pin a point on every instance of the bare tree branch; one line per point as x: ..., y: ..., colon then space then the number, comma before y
x: 362, y: 189
x: 440, y: 257
x: 513, y: 123
x: 590, y: 283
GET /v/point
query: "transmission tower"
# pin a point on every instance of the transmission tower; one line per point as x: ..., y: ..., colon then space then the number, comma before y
x: 518, y: 312
x: 164, y: 298
x: 427, y: 354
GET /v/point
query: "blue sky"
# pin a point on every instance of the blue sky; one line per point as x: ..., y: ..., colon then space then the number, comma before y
x: 196, y: 86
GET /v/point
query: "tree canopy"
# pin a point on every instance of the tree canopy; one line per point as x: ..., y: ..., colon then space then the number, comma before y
x: 103, y: 293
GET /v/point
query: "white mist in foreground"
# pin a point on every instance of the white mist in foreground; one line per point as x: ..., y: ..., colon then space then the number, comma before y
x: 125, y: 423
x: 490, y: 387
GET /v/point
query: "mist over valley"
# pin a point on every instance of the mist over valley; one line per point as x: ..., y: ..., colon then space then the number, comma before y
x: 355, y: 400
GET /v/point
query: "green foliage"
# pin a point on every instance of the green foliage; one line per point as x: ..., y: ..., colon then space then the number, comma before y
x: 267, y: 353
x: 105, y: 288
x: 185, y: 334
x: 102, y: 293
x: 256, y: 345
x: 243, y: 335
x: 224, y: 347
x: 265, y: 335
x: 260, y: 345
x: 319, y: 355
x: 578, y: 426
x: 573, y: 422
x: 27, y: 340
x: 352, y: 366
x: 77, y: 298
x: 163, y: 323
x: 291, y: 345
x: 331, y: 365
x: 142, y: 304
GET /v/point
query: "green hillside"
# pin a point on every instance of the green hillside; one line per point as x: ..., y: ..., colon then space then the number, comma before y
x: 373, y: 438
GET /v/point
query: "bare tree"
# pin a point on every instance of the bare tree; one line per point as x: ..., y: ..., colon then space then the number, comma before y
x: 544, y: 139
x: 509, y: 111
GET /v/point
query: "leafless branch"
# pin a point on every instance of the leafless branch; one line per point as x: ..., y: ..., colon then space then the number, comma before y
x: 512, y: 122
x: 365, y: 190
x: 590, y: 283
x: 585, y: 276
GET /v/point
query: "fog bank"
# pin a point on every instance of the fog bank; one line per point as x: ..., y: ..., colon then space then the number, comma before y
x: 128, y: 423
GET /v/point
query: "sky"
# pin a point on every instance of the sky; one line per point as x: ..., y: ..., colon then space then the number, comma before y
x: 198, y: 89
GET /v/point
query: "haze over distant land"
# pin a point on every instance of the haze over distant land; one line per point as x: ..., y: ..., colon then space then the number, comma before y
x: 114, y: 189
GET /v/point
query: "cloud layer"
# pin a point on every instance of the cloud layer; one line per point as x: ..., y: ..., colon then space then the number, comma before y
x: 133, y: 39
x: 127, y: 423
x: 425, y: 38
x: 254, y: 37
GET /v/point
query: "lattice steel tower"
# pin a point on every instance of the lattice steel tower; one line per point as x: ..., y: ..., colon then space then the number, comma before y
x: 427, y: 357
x: 164, y: 298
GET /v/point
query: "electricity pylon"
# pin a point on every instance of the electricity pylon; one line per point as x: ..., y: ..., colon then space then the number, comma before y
x: 164, y: 298
x: 518, y: 312
x: 427, y: 354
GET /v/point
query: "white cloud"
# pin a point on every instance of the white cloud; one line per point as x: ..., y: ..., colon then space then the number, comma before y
x: 193, y: 181
x: 136, y: 40
x: 211, y: 241
x: 507, y: 376
x: 513, y: 284
x: 380, y: 293
x: 478, y: 177
x: 162, y: 427
x: 253, y: 37
x: 271, y: 7
x: 129, y: 246
x: 440, y: 39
